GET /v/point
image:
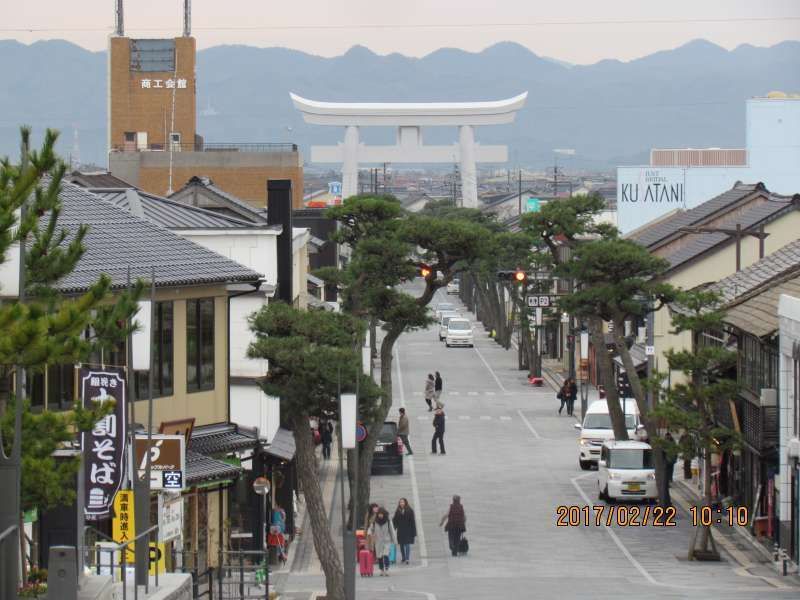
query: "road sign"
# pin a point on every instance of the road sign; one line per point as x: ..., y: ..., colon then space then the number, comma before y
x: 167, y: 461
x: 532, y: 204
x: 541, y: 301
x: 361, y: 433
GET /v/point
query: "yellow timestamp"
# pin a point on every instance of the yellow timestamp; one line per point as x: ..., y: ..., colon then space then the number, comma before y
x: 706, y: 516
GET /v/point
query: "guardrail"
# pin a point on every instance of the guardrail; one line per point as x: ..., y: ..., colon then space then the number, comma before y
x: 114, y: 549
x: 5, y: 538
x: 207, y: 147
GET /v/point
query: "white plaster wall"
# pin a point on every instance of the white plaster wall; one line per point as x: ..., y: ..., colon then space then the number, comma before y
x: 789, y: 334
x: 253, y: 408
x: 254, y: 249
x: 241, y: 336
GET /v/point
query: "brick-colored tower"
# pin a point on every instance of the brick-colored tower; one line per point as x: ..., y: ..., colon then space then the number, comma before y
x: 152, y: 94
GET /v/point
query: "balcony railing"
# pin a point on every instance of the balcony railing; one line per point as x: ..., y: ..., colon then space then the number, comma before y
x: 207, y: 147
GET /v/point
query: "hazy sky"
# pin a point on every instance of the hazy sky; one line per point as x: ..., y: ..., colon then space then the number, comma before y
x: 579, y: 31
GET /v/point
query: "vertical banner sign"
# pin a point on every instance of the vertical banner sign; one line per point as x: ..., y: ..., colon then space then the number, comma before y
x: 104, y: 446
x: 123, y: 525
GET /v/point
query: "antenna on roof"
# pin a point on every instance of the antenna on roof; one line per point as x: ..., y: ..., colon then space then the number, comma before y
x: 119, y: 17
x: 187, y: 18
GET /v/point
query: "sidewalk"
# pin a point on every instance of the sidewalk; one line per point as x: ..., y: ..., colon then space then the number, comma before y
x: 738, y: 542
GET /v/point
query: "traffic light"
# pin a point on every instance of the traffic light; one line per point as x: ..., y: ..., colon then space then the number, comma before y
x: 520, y: 276
x: 515, y: 276
x: 424, y: 271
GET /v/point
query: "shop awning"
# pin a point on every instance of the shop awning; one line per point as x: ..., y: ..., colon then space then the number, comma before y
x: 638, y: 355
x: 282, y: 445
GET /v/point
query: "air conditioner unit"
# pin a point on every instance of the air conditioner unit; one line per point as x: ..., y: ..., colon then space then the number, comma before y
x: 769, y: 397
x: 793, y: 448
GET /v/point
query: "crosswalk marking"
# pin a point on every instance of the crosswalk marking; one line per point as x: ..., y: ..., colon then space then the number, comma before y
x: 505, y: 418
x: 490, y: 393
x: 454, y: 393
x: 464, y: 417
x: 472, y: 393
x: 422, y: 418
x: 418, y: 393
x: 486, y: 418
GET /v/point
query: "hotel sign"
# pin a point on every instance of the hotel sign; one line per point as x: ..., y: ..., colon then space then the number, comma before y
x: 647, y: 193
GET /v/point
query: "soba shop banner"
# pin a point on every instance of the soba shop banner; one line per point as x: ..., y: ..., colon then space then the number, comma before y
x: 104, y: 446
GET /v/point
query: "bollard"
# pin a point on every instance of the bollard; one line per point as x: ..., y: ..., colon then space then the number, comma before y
x: 62, y: 572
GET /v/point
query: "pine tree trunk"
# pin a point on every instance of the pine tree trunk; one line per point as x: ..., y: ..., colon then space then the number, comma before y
x: 606, y: 376
x: 320, y: 526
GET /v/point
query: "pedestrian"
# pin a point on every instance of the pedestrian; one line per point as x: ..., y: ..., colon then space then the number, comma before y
x: 405, y: 526
x: 670, y: 457
x: 372, y: 512
x: 562, y: 396
x: 430, y: 391
x: 326, y: 436
x: 382, y: 539
x: 437, y: 388
x: 438, y: 431
x: 402, y: 430
x: 572, y: 395
x: 455, y: 524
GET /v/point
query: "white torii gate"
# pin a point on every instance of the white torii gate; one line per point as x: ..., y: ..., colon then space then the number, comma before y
x: 409, y: 118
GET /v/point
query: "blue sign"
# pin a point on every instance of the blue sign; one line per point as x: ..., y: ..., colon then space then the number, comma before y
x: 335, y: 188
x: 361, y: 433
x: 532, y: 204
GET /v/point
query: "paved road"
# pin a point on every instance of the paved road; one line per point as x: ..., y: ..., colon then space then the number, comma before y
x: 513, y: 460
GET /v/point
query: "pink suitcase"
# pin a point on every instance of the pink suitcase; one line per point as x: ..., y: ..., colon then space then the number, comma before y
x: 366, y: 563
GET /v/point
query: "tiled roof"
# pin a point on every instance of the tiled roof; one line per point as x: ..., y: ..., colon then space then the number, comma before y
x: 702, y: 242
x: 201, y: 468
x: 651, y: 237
x: 759, y: 314
x: 102, y: 179
x: 117, y: 240
x: 246, y: 210
x: 222, y: 438
x: 170, y: 214
x: 282, y: 445
x: 778, y: 265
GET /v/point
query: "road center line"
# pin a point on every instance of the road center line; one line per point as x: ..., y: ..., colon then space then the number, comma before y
x: 613, y: 535
x: 478, y: 352
x: 423, y: 549
x: 528, y: 425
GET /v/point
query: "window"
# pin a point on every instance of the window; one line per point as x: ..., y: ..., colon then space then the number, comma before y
x: 130, y: 136
x: 200, y: 344
x: 796, y: 375
x: 163, y: 360
x: 631, y: 459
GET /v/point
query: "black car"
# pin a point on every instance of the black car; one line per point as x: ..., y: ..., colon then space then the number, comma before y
x: 389, y: 450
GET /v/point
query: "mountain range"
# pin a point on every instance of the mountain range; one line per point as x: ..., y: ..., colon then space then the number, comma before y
x: 610, y: 112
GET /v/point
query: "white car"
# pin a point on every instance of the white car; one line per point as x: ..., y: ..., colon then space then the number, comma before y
x: 446, y: 316
x: 459, y: 333
x: 625, y: 471
x: 444, y: 307
x: 453, y: 287
x: 596, y: 429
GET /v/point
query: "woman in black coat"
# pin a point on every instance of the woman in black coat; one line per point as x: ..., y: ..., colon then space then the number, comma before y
x: 405, y: 526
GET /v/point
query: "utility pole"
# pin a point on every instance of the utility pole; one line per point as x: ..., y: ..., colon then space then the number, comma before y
x: 519, y: 191
x: 555, y: 177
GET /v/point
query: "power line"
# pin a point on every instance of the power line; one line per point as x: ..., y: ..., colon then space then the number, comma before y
x: 517, y: 25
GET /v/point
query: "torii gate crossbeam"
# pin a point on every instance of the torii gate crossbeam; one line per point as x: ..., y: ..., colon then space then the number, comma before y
x: 409, y: 118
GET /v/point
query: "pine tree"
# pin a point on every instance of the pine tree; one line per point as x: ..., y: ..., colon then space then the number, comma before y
x: 48, y: 328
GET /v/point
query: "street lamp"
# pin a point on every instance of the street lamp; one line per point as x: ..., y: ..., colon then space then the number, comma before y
x: 261, y: 487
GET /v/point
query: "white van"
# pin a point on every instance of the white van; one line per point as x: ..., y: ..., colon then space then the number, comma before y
x: 445, y: 319
x: 596, y: 429
x: 626, y: 472
x: 459, y: 332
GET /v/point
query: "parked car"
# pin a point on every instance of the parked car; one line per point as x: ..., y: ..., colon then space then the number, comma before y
x: 444, y: 307
x: 459, y: 332
x: 596, y: 429
x: 454, y: 287
x: 389, y: 450
x: 446, y: 316
x: 625, y: 471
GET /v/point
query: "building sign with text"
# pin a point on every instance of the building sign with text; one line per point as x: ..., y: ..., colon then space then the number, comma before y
x: 167, y: 461
x: 646, y: 193
x: 166, y: 84
x: 104, y: 446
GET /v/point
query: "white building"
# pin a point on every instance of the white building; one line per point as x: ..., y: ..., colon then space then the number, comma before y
x: 789, y: 424
x: 683, y: 178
